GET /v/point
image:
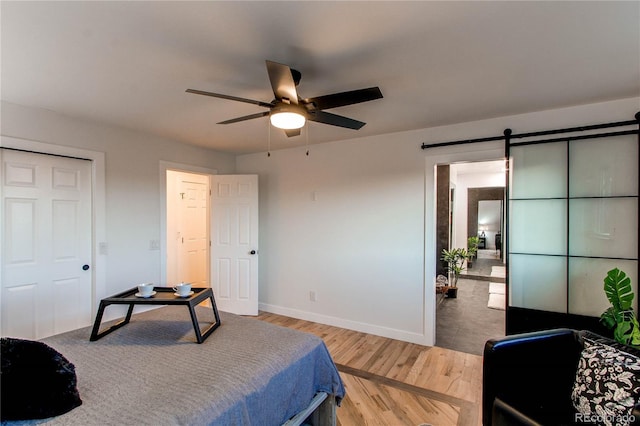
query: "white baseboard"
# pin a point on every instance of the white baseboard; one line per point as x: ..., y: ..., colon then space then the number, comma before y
x: 391, y: 333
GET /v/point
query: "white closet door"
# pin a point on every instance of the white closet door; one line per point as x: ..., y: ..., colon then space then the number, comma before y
x: 46, y: 244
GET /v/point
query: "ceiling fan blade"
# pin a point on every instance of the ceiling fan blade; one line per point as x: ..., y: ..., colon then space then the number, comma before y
x: 345, y: 98
x: 244, y: 118
x: 335, y: 120
x: 282, y: 82
x: 231, y: 98
x: 292, y: 132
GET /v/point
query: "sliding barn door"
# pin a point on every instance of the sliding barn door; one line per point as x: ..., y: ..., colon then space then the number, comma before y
x: 573, y: 216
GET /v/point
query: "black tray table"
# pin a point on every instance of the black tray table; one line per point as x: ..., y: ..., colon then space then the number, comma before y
x: 163, y: 296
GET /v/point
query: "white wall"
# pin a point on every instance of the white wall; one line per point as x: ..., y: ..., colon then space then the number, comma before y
x: 132, y: 181
x: 362, y: 245
x: 347, y: 222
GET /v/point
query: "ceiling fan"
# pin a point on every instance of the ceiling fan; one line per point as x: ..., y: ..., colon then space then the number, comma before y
x: 288, y: 111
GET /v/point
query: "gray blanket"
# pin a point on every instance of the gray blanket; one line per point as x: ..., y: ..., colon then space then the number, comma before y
x: 151, y: 372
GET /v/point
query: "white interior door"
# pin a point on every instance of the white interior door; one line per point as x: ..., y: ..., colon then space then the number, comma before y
x: 234, y: 260
x: 193, y: 253
x: 46, y: 207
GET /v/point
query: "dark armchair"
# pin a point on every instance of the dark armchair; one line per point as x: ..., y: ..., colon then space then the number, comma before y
x: 528, y: 379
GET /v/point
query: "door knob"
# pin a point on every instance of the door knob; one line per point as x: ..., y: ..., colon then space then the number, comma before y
x: 252, y: 252
x: 85, y: 267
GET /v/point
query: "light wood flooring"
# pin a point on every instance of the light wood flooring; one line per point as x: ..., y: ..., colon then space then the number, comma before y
x: 395, y: 383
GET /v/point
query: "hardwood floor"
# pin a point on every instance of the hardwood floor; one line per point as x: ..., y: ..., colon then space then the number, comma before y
x: 395, y: 383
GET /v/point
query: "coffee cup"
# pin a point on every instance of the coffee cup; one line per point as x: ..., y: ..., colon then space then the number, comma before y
x: 183, y: 289
x: 145, y: 289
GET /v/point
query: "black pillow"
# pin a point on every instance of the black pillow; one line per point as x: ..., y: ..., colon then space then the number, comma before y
x: 36, y: 381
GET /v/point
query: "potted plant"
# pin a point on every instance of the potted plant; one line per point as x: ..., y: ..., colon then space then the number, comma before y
x: 455, y: 264
x: 620, y: 316
x: 472, y: 249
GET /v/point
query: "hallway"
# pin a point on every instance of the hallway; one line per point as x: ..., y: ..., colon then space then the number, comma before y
x: 466, y: 323
x: 481, y: 269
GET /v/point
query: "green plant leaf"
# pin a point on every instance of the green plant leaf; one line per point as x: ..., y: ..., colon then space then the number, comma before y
x: 608, y: 318
x: 455, y: 261
x: 617, y: 287
x: 472, y: 244
x: 628, y: 330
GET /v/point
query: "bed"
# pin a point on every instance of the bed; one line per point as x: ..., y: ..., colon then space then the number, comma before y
x: 247, y: 372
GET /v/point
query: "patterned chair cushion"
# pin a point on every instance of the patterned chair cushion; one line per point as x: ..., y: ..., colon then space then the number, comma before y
x: 607, y: 384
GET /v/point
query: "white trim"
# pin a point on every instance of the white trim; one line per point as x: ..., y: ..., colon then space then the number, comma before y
x: 377, y: 330
x: 180, y: 167
x: 98, y: 190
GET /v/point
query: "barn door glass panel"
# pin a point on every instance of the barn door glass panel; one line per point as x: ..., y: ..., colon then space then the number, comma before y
x: 539, y: 171
x: 541, y: 282
x: 603, y: 219
x: 586, y: 295
x: 538, y: 227
x: 604, y: 167
x: 603, y: 227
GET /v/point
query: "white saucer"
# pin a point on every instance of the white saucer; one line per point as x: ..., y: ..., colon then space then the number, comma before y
x: 145, y: 297
x: 186, y: 295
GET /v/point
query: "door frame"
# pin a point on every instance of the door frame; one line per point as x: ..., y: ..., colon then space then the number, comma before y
x: 98, y: 205
x: 485, y: 151
x: 178, y: 167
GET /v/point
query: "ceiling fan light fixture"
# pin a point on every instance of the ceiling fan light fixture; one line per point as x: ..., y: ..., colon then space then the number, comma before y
x: 287, y: 120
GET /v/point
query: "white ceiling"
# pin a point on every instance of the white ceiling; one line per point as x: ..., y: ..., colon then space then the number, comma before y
x: 129, y: 63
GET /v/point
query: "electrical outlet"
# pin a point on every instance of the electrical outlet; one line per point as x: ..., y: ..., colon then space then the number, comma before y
x: 312, y: 296
x: 154, y: 245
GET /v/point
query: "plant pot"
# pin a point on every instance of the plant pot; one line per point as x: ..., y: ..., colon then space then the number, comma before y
x: 452, y: 293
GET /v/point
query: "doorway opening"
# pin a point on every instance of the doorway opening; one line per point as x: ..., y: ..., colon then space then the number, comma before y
x: 230, y: 265
x: 188, y: 231
x: 485, y: 221
x: 471, y: 205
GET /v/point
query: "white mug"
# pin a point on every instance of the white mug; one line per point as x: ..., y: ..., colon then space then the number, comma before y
x: 145, y: 289
x: 182, y: 289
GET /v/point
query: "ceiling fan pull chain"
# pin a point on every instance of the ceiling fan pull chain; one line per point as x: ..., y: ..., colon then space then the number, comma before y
x: 306, y: 135
x: 268, y: 140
